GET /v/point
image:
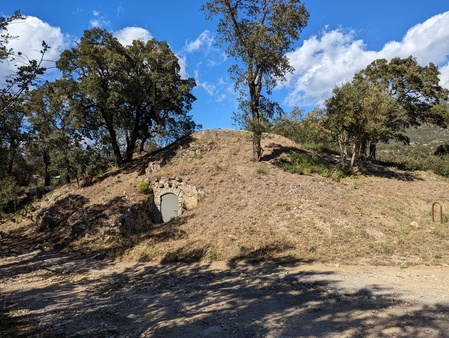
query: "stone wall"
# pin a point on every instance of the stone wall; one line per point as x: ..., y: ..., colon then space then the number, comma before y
x: 188, y: 195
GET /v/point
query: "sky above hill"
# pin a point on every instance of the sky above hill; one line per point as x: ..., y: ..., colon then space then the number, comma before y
x: 341, y: 38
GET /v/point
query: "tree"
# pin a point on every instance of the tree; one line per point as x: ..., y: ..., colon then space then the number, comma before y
x: 303, y: 128
x: 129, y: 92
x: 5, y: 37
x: 361, y: 112
x: 416, y: 88
x: 13, y: 89
x: 155, y: 99
x: 258, y: 33
x: 53, y: 127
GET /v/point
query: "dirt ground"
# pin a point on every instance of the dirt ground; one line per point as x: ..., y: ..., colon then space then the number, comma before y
x: 357, y: 258
x: 52, y: 294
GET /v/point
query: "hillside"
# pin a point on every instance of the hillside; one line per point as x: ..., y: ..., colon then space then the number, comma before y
x: 247, y: 211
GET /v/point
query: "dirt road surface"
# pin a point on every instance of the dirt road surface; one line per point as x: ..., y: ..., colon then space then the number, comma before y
x: 66, y: 296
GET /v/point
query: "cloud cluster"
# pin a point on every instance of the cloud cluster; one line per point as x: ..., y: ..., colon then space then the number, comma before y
x: 30, y: 33
x: 128, y: 34
x: 332, y: 58
x: 322, y: 61
x: 204, y: 42
x: 98, y: 20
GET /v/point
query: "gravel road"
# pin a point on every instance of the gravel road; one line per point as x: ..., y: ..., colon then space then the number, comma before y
x: 67, y: 296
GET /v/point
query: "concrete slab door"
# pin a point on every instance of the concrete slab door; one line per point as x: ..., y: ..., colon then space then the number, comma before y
x: 169, y: 207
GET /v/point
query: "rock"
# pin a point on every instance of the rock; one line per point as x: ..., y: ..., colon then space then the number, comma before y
x: 343, y: 298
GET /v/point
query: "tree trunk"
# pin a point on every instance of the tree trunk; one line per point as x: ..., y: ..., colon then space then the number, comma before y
x: 257, y: 148
x: 343, y: 144
x: 357, y: 146
x: 46, y: 158
x: 372, y: 151
x: 114, y: 143
x: 257, y: 129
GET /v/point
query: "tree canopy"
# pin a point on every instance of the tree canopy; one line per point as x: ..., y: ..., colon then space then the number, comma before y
x: 382, y: 101
x: 360, y: 112
x: 416, y: 88
x: 258, y: 34
x: 127, y: 93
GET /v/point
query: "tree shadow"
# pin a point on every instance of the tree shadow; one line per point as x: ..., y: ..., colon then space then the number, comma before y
x: 279, y: 155
x: 382, y: 169
x: 199, y: 300
x: 278, y: 151
x: 139, y: 164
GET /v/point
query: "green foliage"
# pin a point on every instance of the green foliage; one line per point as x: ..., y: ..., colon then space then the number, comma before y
x: 416, y: 88
x: 137, y: 94
x: 305, y: 163
x: 13, y: 91
x: 360, y: 112
x: 144, y: 188
x: 257, y: 34
x: 426, y: 151
x: 261, y: 170
x: 306, y: 129
x: 9, y: 192
x: 442, y: 149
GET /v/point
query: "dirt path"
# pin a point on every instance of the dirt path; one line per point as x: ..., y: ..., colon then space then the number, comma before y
x: 65, y: 296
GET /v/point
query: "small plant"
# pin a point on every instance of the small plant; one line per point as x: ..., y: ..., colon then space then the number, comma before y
x: 197, y: 156
x: 211, y: 253
x: 261, y: 170
x: 144, y: 188
x: 304, y: 163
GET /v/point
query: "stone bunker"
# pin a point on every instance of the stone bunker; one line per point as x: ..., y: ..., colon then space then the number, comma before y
x: 172, y: 196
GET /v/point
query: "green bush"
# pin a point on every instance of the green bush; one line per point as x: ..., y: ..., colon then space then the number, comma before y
x: 10, y: 192
x: 304, y: 163
x: 144, y: 188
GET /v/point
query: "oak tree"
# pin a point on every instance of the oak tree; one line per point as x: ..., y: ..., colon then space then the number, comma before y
x: 127, y: 91
x: 361, y: 112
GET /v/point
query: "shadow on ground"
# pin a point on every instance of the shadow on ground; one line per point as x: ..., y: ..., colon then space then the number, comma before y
x: 66, y: 296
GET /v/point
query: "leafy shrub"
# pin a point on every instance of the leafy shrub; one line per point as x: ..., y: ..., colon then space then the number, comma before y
x: 9, y: 192
x: 304, y: 163
x: 442, y: 149
x: 144, y: 188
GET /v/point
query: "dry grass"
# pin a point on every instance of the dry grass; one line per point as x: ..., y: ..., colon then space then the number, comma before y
x: 257, y: 211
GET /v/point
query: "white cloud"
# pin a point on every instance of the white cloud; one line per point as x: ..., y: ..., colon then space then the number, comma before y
x: 444, y: 77
x: 321, y: 63
x: 30, y: 34
x: 183, y: 64
x: 325, y: 61
x: 99, y: 21
x: 128, y: 34
x: 203, y: 42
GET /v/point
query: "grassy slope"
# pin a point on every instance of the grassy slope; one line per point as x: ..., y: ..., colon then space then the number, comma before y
x: 254, y: 211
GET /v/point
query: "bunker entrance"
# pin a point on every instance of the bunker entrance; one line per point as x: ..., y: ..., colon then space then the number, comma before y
x: 169, y: 207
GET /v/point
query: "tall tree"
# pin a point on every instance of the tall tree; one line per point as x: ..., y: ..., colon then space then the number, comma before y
x: 258, y: 33
x: 93, y: 64
x: 154, y: 97
x: 127, y: 91
x: 13, y: 89
x: 54, y: 126
x: 359, y: 112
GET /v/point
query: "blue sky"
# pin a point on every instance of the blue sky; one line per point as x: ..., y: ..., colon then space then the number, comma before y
x: 341, y: 38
